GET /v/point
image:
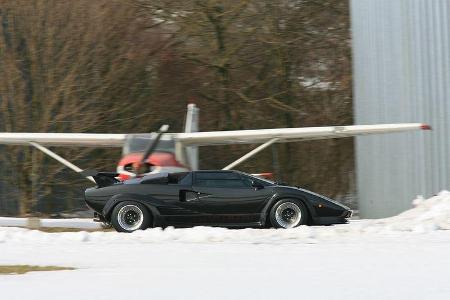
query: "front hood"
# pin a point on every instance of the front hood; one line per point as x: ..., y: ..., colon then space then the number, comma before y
x: 298, y: 189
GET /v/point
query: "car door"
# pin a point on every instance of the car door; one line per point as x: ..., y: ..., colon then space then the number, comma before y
x: 175, y: 199
x: 225, y: 197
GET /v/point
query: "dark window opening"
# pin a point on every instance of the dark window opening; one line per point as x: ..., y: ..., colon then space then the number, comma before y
x: 219, y: 179
x: 185, y: 179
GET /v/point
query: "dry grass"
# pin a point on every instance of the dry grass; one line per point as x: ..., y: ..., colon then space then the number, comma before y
x: 22, y: 269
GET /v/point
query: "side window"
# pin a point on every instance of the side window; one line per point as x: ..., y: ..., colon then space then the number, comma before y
x: 186, y: 180
x: 182, y: 178
x: 248, y: 181
x: 219, y: 179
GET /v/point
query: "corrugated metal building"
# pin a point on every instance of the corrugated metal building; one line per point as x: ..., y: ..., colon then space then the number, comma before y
x: 401, y: 53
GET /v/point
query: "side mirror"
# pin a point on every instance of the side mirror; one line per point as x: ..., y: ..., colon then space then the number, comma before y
x: 257, y: 185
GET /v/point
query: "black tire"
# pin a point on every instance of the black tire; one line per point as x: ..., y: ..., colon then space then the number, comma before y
x: 129, y: 216
x: 288, y: 213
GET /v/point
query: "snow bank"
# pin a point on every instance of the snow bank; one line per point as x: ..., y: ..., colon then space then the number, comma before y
x: 427, y: 215
x: 303, y: 234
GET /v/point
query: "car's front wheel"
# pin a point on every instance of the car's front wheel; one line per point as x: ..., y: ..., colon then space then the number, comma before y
x: 129, y: 216
x: 288, y: 213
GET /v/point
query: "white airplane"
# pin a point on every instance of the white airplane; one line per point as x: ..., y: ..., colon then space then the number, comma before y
x: 176, y: 152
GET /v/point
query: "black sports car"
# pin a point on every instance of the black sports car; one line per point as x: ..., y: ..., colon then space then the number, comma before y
x: 211, y: 198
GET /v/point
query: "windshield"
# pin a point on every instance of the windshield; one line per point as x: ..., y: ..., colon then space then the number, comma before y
x: 139, y: 143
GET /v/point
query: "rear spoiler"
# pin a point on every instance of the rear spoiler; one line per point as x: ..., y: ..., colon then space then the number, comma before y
x: 102, y: 179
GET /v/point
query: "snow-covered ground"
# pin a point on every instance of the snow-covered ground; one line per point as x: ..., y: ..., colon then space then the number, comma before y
x: 403, y: 257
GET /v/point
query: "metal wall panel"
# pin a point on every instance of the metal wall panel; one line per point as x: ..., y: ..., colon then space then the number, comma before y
x: 401, y: 57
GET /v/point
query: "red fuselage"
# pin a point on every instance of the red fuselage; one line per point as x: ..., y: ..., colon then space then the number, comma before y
x: 158, y: 162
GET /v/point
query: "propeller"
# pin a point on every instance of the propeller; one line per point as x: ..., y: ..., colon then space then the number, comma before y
x: 142, y: 166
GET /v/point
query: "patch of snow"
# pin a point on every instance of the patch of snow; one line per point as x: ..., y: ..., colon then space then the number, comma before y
x: 316, y: 83
x: 71, y: 223
x: 79, y: 223
x: 19, y: 222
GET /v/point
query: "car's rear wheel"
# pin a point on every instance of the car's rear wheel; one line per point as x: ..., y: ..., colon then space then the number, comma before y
x: 288, y: 213
x: 129, y: 216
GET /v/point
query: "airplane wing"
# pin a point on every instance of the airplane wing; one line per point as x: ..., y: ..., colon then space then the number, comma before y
x: 210, y: 138
x: 194, y: 139
x: 64, y: 139
x: 290, y: 134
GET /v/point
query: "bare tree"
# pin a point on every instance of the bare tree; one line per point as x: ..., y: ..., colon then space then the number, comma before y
x: 260, y: 64
x: 69, y: 66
